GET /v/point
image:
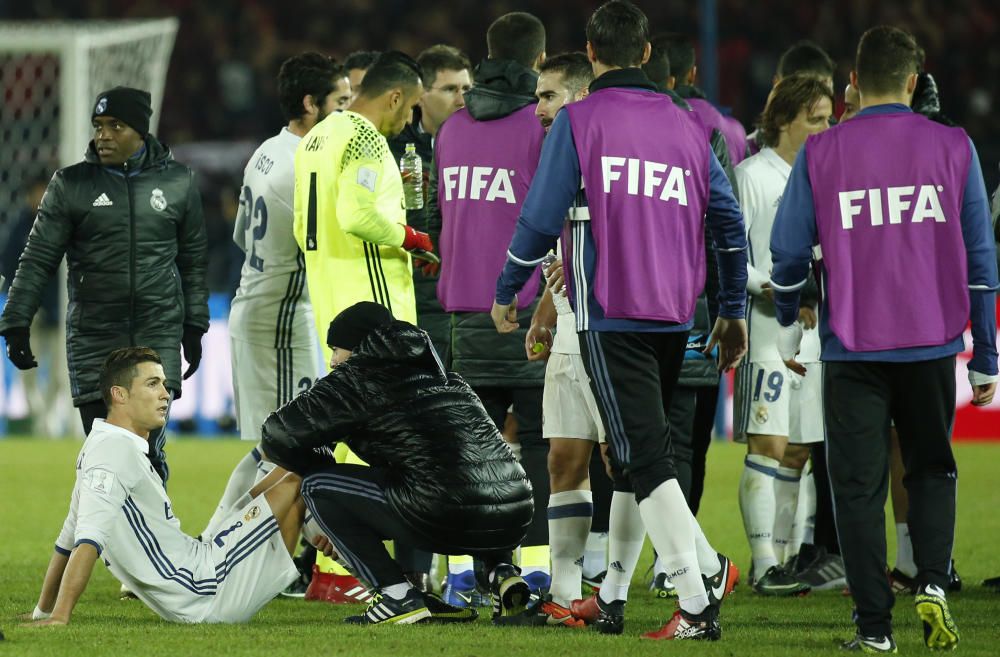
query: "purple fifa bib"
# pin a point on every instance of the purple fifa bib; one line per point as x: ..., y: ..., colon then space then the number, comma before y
x: 484, y: 172
x: 731, y: 129
x: 647, y: 192
x: 888, y: 192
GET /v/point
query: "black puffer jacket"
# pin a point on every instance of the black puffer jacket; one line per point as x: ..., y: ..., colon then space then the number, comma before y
x: 135, y: 244
x: 450, y: 476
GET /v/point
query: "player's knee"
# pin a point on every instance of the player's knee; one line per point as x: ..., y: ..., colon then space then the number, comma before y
x: 795, y: 457
x: 770, y: 446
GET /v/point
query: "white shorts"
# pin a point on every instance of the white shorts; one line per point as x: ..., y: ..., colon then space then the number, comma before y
x: 251, y: 561
x: 265, y: 378
x: 771, y: 400
x: 568, y: 406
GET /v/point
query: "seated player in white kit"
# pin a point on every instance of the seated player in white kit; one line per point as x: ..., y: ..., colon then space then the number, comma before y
x: 777, y: 412
x: 120, y: 512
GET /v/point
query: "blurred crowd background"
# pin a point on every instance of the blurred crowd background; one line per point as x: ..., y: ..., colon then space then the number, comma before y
x: 221, y: 80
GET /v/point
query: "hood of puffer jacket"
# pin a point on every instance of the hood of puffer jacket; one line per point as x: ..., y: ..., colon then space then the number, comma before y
x: 502, y: 87
x: 402, y: 342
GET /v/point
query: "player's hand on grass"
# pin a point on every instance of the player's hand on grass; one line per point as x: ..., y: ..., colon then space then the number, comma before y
x: 538, y: 342
x: 731, y: 337
x: 505, y: 317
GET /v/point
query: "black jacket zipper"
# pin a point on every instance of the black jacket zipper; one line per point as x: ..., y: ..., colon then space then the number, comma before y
x: 131, y: 259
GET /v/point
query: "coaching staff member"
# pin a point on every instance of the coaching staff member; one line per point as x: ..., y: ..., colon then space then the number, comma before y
x: 907, y: 260
x: 129, y: 221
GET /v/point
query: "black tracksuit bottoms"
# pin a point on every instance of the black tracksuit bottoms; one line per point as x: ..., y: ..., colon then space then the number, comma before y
x: 860, y: 399
x: 349, y: 504
x: 633, y: 376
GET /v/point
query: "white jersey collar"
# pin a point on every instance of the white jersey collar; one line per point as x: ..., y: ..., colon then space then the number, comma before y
x: 139, y: 442
x: 776, y: 161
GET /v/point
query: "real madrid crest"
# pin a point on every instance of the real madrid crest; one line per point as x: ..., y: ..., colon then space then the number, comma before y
x: 761, y: 415
x: 252, y: 513
x: 102, y: 105
x: 157, y: 200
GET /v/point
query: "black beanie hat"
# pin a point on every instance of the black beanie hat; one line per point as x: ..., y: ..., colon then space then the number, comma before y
x: 352, y: 325
x: 131, y: 106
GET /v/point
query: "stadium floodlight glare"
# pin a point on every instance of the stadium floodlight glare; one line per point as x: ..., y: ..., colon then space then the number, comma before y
x: 50, y: 72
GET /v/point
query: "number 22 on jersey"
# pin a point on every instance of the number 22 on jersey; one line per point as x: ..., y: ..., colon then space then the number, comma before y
x: 254, y: 212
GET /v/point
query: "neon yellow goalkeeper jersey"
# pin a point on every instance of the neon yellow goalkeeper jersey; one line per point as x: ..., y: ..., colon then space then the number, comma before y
x: 348, y: 220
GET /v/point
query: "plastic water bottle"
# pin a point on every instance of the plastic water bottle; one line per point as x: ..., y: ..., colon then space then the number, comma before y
x: 411, y: 169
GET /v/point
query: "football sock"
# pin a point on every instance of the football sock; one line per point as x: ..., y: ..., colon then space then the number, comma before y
x: 595, y: 555
x: 670, y: 526
x: 459, y: 563
x: 626, y: 534
x: 786, y: 503
x: 569, y: 523
x: 241, y: 480
x: 904, y: 551
x: 758, y: 507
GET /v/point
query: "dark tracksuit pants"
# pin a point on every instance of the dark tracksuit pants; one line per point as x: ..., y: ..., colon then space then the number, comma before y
x: 527, y: 403
x: 701, y: 440
x: 860, y: 398
x: 349, y: 503
x: 158, y: 441
x: 633, y: 376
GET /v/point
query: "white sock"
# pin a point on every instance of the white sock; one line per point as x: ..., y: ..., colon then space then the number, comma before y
x: 904, y: 551
x: 569, y: 524
x: 757, y: 505
x: 671, y: 529
x: 803, y: 531
x: 658, y: 566
x: 786, y: 505
x: 595, y: 555
x: 240, y: 481
x: 708, y: 556
x: 626, y: 535
x: 397, y: 591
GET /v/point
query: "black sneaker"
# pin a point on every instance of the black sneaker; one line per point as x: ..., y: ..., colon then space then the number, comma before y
x: 901, y: 583
x: 993, y: 583
x: 420, y: 581
x: 595, y: 581
x: 510, y: 593
x: 296, y: 589
x: 383, y: 609
x: 954, y: 581
x: 779, y: 582
x: 661, y: 588
x: 870, y: 644
x: 442, y: 612
x: 723, y: 582
x: 684, y: 626
x: 825, y: 572
x: 610, y: 617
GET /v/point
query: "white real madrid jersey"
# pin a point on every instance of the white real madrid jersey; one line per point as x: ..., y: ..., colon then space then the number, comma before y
x: 761, y: 180
x: 271, y: 307
x: 119, y: 506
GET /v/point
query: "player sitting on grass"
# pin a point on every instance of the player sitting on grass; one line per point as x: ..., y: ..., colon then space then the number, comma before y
x: 119, y: 511
x: 441, y: 477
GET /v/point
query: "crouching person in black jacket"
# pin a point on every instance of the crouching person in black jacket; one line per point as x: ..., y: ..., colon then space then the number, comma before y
x: 441, y: 476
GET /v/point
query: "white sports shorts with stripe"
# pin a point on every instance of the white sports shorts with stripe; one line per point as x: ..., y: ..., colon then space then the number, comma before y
x: 251, y: 562
x: 265, y: 378
x: 771, y: 400
x: 568, y: 406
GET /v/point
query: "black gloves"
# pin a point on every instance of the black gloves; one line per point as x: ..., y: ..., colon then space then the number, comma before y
x: 191, y: 342
x: 927, y: 101
x: 19, y: 348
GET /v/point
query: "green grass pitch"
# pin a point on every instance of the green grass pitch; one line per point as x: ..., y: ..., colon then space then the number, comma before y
x: 36, y: 478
